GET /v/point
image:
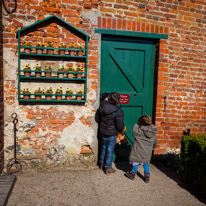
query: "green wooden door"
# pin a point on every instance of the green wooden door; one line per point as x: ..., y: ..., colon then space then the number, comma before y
x: 127, y: 67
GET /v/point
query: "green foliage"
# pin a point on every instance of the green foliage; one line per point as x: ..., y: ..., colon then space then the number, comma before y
x: 80, y: 92
x: 69, y: 91
x: 193, y: 161
x: 48, y: 68
x: 38, y: 91
x: 62, y: 69
x: 79, y: 69
x: 59, y: 91
x: 26, y: 91
x: 27, y: 67
x: 50, y: 44
x: 38, y: 68
x: 49, y: 91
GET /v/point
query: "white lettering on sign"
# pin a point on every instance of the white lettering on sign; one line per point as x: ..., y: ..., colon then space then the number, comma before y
x: 124, y: 99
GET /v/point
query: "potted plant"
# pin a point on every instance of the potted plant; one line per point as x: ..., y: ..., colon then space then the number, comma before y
x: 61, y: 75
x: 27, y: 50
x: 79, y: 69
x: 38, y: 68
x: 40, y: 50
x: 47, y: 69
x: 80, y: 53
x: 59, y: 93
x: 50, y: 45
x: 79, y: 97
x: 26, y: 93
x: 27, y: 68
x: 63, y: 46
x: 49, y: 93
x: 72, y: 52
x: 68, y: 94
x: 38, y: 94
x: 71, y: 69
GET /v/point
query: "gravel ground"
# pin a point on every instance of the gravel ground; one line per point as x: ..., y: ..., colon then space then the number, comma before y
x: 93, y: 188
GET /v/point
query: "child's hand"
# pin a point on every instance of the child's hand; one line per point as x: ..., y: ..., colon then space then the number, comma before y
x: 125, y: 129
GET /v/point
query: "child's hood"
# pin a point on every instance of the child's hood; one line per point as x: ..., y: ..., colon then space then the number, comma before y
x: 108, y: 108
x: 149, y: 131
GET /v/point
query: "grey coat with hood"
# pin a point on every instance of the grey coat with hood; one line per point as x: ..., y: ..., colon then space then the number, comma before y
x: 145, y: 141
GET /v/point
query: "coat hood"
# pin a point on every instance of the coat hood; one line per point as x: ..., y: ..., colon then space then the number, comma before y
x: 149, y: 131
x: 108, y: 108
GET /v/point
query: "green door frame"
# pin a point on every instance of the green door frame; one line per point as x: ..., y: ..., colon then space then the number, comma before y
x: 132, y: 34
x: 142, y: 36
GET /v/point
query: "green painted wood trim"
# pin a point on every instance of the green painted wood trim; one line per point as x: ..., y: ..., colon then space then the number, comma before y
x: 50, y: 17
x: 50, y: 48
x: 52, y: 55
x: 82, y: 95
x: 42, y: 100
x: 53, y: 78
x: 132, y: 34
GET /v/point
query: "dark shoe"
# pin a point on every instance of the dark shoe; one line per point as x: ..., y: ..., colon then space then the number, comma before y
x: 130, y: 175
x: 101, y: 166
x: 109, y: 171
x: 146, y: 177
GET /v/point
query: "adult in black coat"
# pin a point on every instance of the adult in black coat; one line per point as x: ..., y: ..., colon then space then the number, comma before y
x: 112, y: 123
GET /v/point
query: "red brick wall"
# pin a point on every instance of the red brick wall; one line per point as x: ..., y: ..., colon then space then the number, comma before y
x: 181, y: 62
x: 1, y: 95
x: 181, y: 73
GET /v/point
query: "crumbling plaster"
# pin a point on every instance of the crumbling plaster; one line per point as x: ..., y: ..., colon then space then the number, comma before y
x: 70, y: 139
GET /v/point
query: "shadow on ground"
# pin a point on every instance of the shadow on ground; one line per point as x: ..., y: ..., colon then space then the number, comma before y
x: 169, y: 166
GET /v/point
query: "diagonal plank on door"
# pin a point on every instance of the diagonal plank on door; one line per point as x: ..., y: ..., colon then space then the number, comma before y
x: 125, y: 70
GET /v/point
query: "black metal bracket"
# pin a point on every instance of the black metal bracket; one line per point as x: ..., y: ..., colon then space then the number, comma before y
x: 14, y: 162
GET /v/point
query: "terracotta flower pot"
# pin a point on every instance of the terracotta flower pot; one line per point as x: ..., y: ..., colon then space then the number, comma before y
x: 39, y: 51
x: 38, y: 97
x: 59, y: 97
x: 79, y: 97
x: 37, y: 74
x: 50, y: 51
x: 27, y: 74
x: 79, y: 75
x: 28, y: 51
x: 26, y: 97
x: 70, y: 75
x: 72, y: 53
x: 48, y: 97
x: 68, y: 97
x: 80, y: 53
x: 61, y: 52
x: 48, y: 75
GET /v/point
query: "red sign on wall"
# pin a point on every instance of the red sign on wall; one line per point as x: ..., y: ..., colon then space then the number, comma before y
x: 124, y: 99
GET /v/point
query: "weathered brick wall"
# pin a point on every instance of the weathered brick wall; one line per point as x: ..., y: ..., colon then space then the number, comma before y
x: 1, y: 96
x: 45, y: 131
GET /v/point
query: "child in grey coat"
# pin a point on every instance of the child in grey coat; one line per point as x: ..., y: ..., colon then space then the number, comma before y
x: 145, y: 134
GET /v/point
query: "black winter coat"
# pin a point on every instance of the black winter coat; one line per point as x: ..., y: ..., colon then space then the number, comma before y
x: 112, y: 119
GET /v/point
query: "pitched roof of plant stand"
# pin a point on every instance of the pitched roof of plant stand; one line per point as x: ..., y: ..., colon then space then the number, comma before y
x: 49, y: 19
